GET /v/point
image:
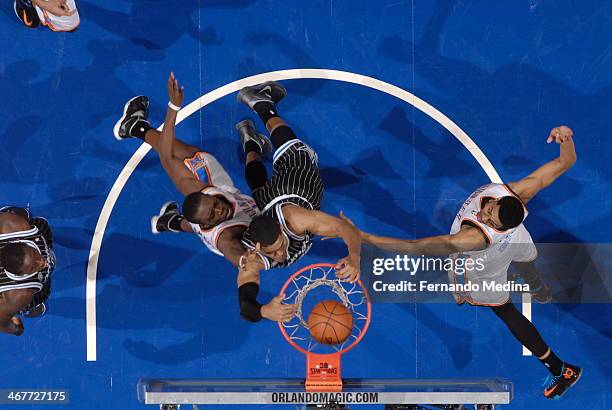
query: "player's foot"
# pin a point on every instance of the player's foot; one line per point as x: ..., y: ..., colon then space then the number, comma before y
x: 135, y: 114
x: 542, y: 294
x: 556, y: 386
x: 26, y: 13
x: 271, y: 92
x: 38, y: 311
x: 164, y: 220
x: 247, y: 132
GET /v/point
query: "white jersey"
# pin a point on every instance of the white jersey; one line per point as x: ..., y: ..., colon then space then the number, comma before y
x: 470, y: 212
x: 244, y: 210
x: 60, y: 23
x: 207, y: 169
x: 503, y: 247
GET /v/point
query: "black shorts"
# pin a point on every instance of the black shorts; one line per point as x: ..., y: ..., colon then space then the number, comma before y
x: 295, y: 178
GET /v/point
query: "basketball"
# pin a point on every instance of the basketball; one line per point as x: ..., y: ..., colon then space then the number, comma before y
x: 330, y: 322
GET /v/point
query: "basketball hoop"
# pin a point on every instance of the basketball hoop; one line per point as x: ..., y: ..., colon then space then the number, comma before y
x: 323, y: 361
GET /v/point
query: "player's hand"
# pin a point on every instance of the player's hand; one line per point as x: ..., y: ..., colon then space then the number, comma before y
x: 175, y: 93
x: 560, y: 134
x: 249, y: 258
x: 56, y: 7
x: 18, y: 325
x: 348, y: 268
x: 277, y: 311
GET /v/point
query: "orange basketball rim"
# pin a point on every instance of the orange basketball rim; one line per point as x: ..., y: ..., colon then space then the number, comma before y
x: 323, y: 369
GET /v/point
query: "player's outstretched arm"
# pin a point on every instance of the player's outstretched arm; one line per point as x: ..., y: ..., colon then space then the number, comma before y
x: 467, y: 239
x: 542, y: 177
x: 184, y: 180
x: 14, y: 301
x: 321, y: 223
x: 230, y: 244
x: 248, y: 288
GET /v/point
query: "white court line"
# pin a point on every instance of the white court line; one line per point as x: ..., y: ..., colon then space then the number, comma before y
x: 526, y: 304
x: 322, y: 74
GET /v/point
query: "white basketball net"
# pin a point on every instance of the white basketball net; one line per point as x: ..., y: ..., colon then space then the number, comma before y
x: 351, y: 295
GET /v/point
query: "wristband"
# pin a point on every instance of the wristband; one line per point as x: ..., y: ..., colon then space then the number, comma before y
x: 173, y: 107
x: 250, y: 309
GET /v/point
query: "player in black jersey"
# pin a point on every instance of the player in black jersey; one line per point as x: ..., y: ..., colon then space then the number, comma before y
x: 289, y: 204
x: 26, y: 263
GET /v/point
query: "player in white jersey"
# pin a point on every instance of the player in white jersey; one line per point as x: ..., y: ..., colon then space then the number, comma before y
x: 57, y: 15
x: 504, y: 246
x: 490, y: 222
x: 214, y: 209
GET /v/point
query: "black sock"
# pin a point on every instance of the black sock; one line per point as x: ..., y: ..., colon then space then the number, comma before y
x: 255, y: 174
x: 553, y: 363
x: 139, y: 129
x: 527, y: 334
x: 265, y: 110
x: 175, y: 223
x: 251, y: 146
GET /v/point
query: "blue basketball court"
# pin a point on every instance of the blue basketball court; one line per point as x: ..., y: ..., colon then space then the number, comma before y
x: 371, y: 87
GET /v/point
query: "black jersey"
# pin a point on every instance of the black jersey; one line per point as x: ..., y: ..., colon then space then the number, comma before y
x: 40, y: 238
x: 295, y: 180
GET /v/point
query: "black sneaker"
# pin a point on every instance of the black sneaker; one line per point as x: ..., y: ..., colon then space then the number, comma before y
x: 556, y: 386
x: 26, y: 12
x: 135, y: 113
x: 247, y: 132
x: 270, y: 91
x: 163, y: 221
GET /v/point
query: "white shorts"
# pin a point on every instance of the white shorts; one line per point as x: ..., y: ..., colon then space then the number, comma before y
x: 496, y: 261
x: 60, y: 23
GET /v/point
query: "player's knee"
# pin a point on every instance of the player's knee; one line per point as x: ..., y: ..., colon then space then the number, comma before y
x: 282, y: 135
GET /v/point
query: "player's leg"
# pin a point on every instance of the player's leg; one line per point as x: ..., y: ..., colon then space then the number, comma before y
x: 295, y: 170
x: 530, y: 274
x: 262, y: 99
x: 525, y: 252
x: 135, y: 124
x: 255, y: 146
x: 563, y: 374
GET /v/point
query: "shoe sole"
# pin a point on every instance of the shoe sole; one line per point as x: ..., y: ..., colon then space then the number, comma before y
x: 246, y: 123
x: 239, y: 125
x: 156, y: 217
x: 571, y: 385
x: 118, y: 123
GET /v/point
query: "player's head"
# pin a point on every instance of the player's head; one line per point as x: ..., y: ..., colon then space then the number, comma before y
x: 266, y: 232
x: 202, y: 209
x: 504, y: 213
x: 20, y: 259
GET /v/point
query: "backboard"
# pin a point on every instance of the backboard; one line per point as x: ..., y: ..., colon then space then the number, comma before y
x: 481, y: 393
